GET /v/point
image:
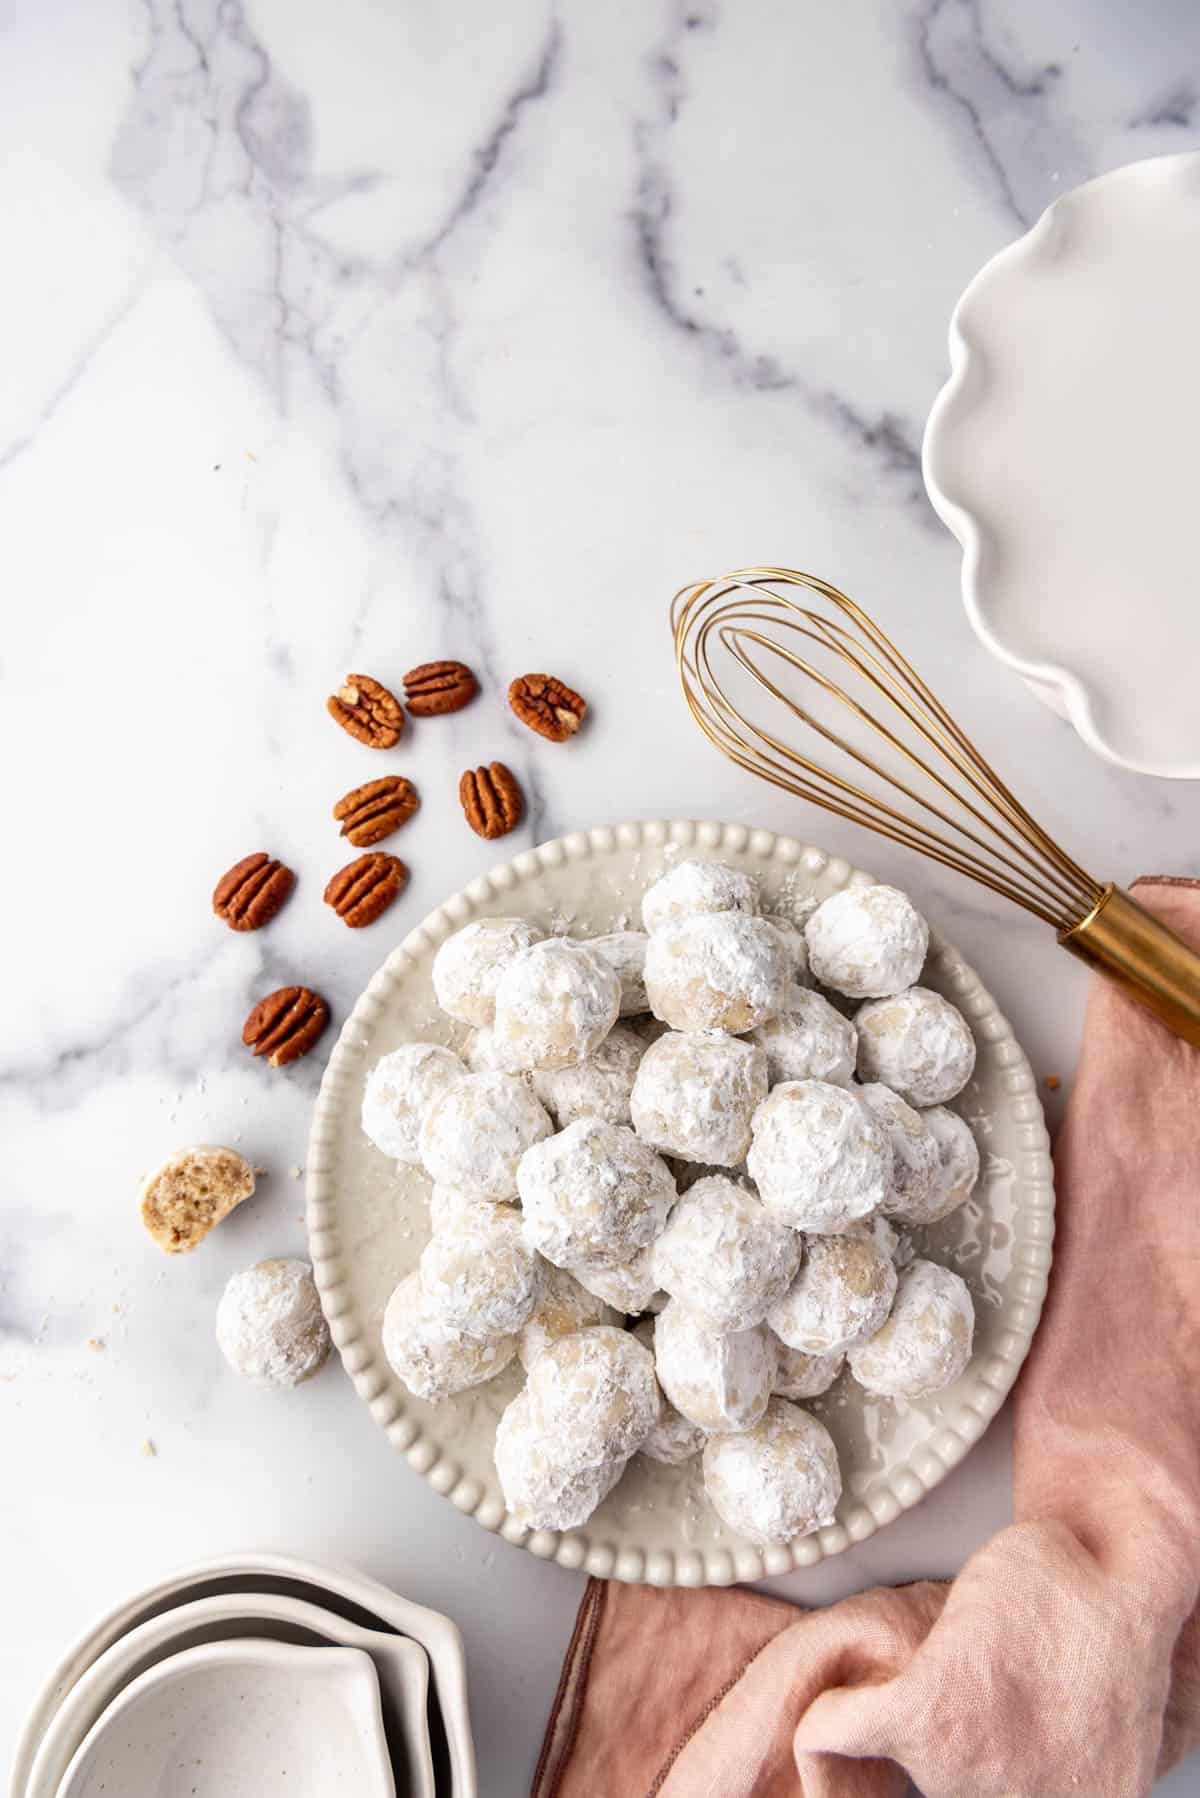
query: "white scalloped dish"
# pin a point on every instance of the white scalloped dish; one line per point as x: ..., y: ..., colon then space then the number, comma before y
x: 368, y: 1221
x: 1061, y: 453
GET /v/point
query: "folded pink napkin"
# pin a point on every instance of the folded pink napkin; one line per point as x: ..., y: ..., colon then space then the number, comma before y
x: 1064, y: 1661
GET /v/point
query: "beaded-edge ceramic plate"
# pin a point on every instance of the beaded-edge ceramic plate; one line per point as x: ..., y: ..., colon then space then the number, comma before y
x: 368, y: 1221
x: 1059, y: 454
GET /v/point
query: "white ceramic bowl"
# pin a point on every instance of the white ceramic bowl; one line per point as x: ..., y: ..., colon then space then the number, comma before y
x: 368, y: 1220
x: 401, y: 1667
x: 1061, y: 455
x: 248, y: 1719
x: 341, y: 1590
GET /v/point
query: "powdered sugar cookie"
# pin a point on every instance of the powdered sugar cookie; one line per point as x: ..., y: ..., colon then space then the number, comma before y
x: 926, y: 1342
x: 563, y: 1307
x: 694, y: 1096
x: 718, y: 1382
x: 691, y: 887
x: 918, y: 1044
x: 820, y: 1159
x: 840, y: 1297
x: 598, y: 1087
x: 625, y: 953
x: 593, y: 1195
x: 725, y: 1256
x: 808, y: 1041
x: 555, y: 1004
x: 481, y: 1277
x: 270, y: 1326
x: 399, y: 1091
x: 432, y: 1359
x: 867, y: 942
x: 777, y: 1480
x: 474, y: 1135
x: 468, y: 965
x: 915, y: 1163
x: 717, y: 971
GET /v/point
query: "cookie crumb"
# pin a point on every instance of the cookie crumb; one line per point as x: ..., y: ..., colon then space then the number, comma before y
x: 97, y: 1345
x: 148, y: 1449
x: 296, y: 1173
x: 1053, y: 1082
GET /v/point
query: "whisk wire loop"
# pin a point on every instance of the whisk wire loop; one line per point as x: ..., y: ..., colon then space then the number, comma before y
x: 744, y: 618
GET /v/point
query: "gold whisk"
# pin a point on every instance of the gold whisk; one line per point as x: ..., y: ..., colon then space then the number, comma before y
x: 967, y: 819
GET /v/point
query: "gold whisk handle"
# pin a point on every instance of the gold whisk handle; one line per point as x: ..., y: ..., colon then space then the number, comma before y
x: 1156, y: 967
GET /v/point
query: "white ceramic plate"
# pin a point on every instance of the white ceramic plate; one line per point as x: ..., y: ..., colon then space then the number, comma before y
x: 368, y: 1222
x: 401, y: 1666
x: 1061, y: 454
x: 341, y: 1590
x: 246, y: 1719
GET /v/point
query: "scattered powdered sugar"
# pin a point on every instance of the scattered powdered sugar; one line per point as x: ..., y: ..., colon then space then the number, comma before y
x: 270, y: 1326
x: 695, y: 1095
x: 867, y: 942
x: 691, y: 887
x: 717, y: 971
x: 918, y: 1044
x: 776, y: 1481
x: 724, y: 1256
x: 808, y: 1041
x: 820, y: 1159
x: 926, y: 1342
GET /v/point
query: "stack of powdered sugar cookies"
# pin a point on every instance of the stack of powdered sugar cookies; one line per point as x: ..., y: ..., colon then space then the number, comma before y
x: 674, y: 1179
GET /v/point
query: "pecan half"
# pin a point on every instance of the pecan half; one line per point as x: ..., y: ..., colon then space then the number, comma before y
x: 285, y: 1025
x: 252, y: 892
x: 362, y: 891
x: 547, y: 706
x: 491, y: 800
x: 438, y: 687
x: 372, y: 812
x: 368, y: 711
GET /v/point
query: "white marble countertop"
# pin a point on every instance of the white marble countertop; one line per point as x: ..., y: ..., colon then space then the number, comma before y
x: 350, y: 337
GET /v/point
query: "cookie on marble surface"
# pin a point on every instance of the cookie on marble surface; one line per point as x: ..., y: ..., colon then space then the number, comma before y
x: 270, y: 1326
x: 191, y: 1193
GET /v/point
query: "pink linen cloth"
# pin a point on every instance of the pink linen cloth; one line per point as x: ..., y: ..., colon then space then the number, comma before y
x: 1064, y: 1661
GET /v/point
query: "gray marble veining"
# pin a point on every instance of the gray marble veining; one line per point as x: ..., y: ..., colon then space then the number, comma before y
x: 348, y: 338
